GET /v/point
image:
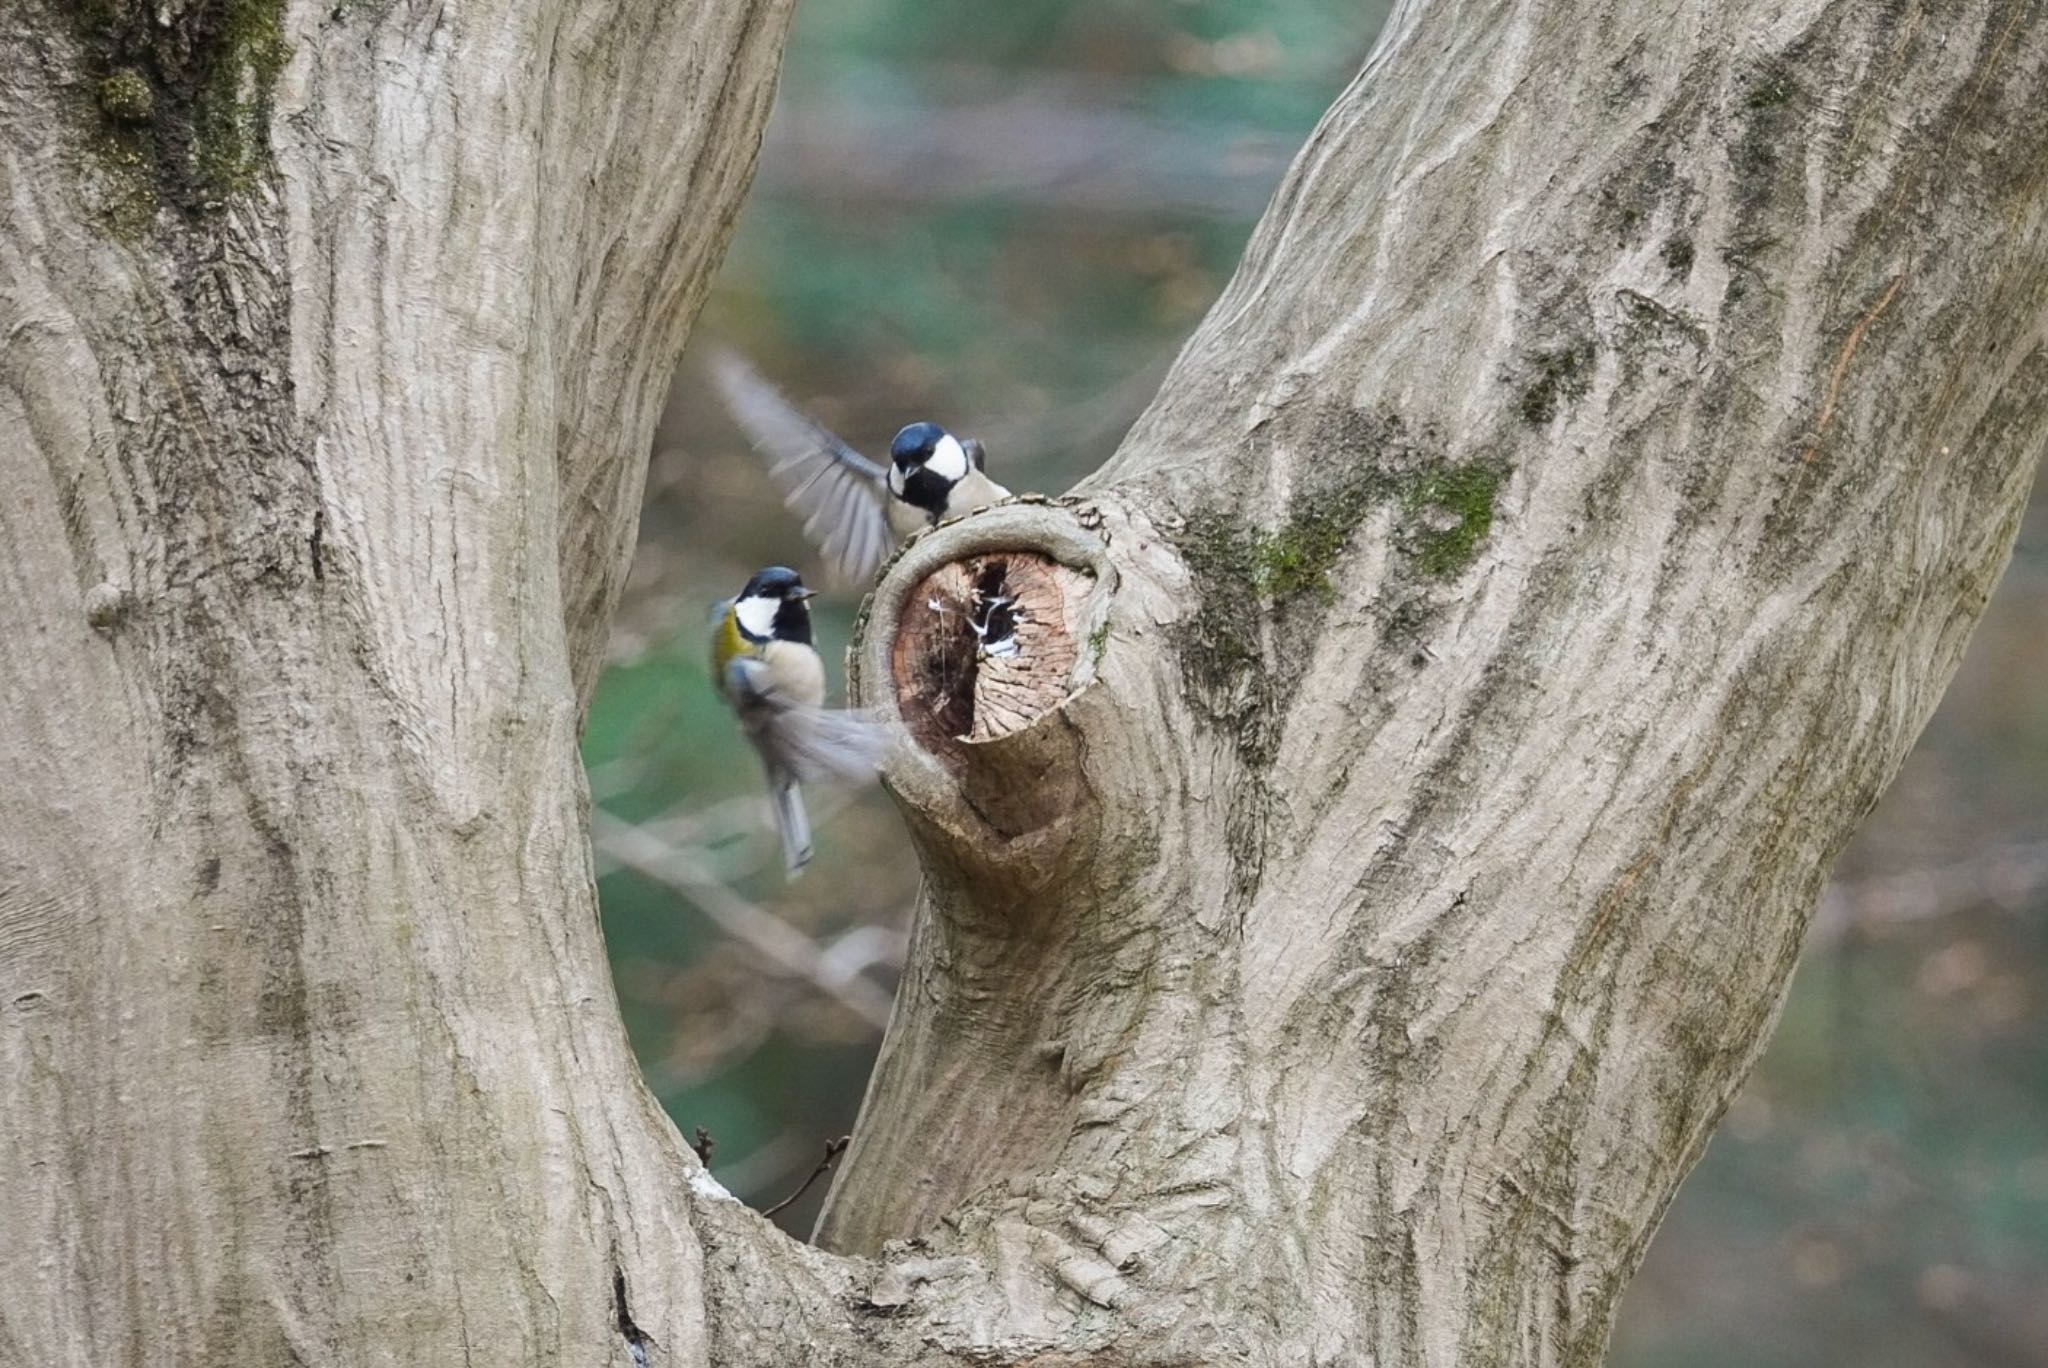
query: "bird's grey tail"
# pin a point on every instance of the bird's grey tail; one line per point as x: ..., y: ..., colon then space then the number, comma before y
x: 792, y: 820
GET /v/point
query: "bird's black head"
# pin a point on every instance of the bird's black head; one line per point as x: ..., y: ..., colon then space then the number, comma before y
x: 926, y: 462
x: 776, y: 582
x: 773, y: 604
x: 914, y: 445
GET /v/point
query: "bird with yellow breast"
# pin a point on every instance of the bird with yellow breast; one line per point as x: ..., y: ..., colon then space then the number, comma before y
x: 769, y: 673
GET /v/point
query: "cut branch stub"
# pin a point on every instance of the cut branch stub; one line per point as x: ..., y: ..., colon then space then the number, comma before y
x: 986, y: 646
x: 978, y: 640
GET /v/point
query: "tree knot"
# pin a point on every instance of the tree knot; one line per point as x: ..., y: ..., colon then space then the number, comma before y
x: 978, y: 638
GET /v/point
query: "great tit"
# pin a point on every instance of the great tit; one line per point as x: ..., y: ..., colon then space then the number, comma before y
x: 768, y: 671
x: 854, y: 510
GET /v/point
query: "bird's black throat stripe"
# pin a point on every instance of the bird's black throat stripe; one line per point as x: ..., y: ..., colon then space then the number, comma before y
x: 924, y: 489
x: 793, y: 622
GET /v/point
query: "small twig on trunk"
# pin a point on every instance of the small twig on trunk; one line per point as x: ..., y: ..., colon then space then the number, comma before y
x: 702, y: 1144
x: 833, y: 1149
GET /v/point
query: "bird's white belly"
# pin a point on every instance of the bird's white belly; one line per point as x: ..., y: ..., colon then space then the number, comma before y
x: 798, y: 672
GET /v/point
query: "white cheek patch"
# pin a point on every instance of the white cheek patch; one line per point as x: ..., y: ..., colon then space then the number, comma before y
x: 896, y: 480
x: 948, y: 460
x: 757, y: 615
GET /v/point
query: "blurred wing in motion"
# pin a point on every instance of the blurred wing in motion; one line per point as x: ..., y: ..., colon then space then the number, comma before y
x: 838, y: 492
x: 807, y: 742
x: 799, y: 743
x: 803, y: 740
x: 831, y: 743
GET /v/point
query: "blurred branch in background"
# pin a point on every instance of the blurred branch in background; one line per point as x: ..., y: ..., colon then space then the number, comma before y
x: 1055, y: 142
x: 2009, y: 878
x: 834, y: 970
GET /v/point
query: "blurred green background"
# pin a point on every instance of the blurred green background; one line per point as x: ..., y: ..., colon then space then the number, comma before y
x: 1006, y: 219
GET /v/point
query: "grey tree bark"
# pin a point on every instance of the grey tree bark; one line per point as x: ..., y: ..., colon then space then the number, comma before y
x: 1362, y: 893
x: 333, y: 338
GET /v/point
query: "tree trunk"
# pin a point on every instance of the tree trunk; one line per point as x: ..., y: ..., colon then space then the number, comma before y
x: 323, y: 455
x: 1364, y: 886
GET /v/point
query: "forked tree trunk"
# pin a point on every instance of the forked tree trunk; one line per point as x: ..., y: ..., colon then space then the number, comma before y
x: 1375, y: 869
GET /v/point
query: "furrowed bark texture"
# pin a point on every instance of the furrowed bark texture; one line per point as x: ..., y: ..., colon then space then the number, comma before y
x: 331, y: 342
x: 1530, y: 573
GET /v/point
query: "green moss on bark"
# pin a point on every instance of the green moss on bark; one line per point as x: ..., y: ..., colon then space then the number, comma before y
x: 231, y: 114
x: 1264, y: 590
x: 1453, y: 506
x: 185, y: 95
x: 1295, y: 559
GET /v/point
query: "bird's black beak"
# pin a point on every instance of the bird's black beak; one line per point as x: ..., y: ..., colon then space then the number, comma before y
x: 801, y: 594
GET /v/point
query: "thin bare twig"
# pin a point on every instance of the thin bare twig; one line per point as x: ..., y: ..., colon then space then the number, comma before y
x: 749, y: 1176
x: 833, y: 1149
